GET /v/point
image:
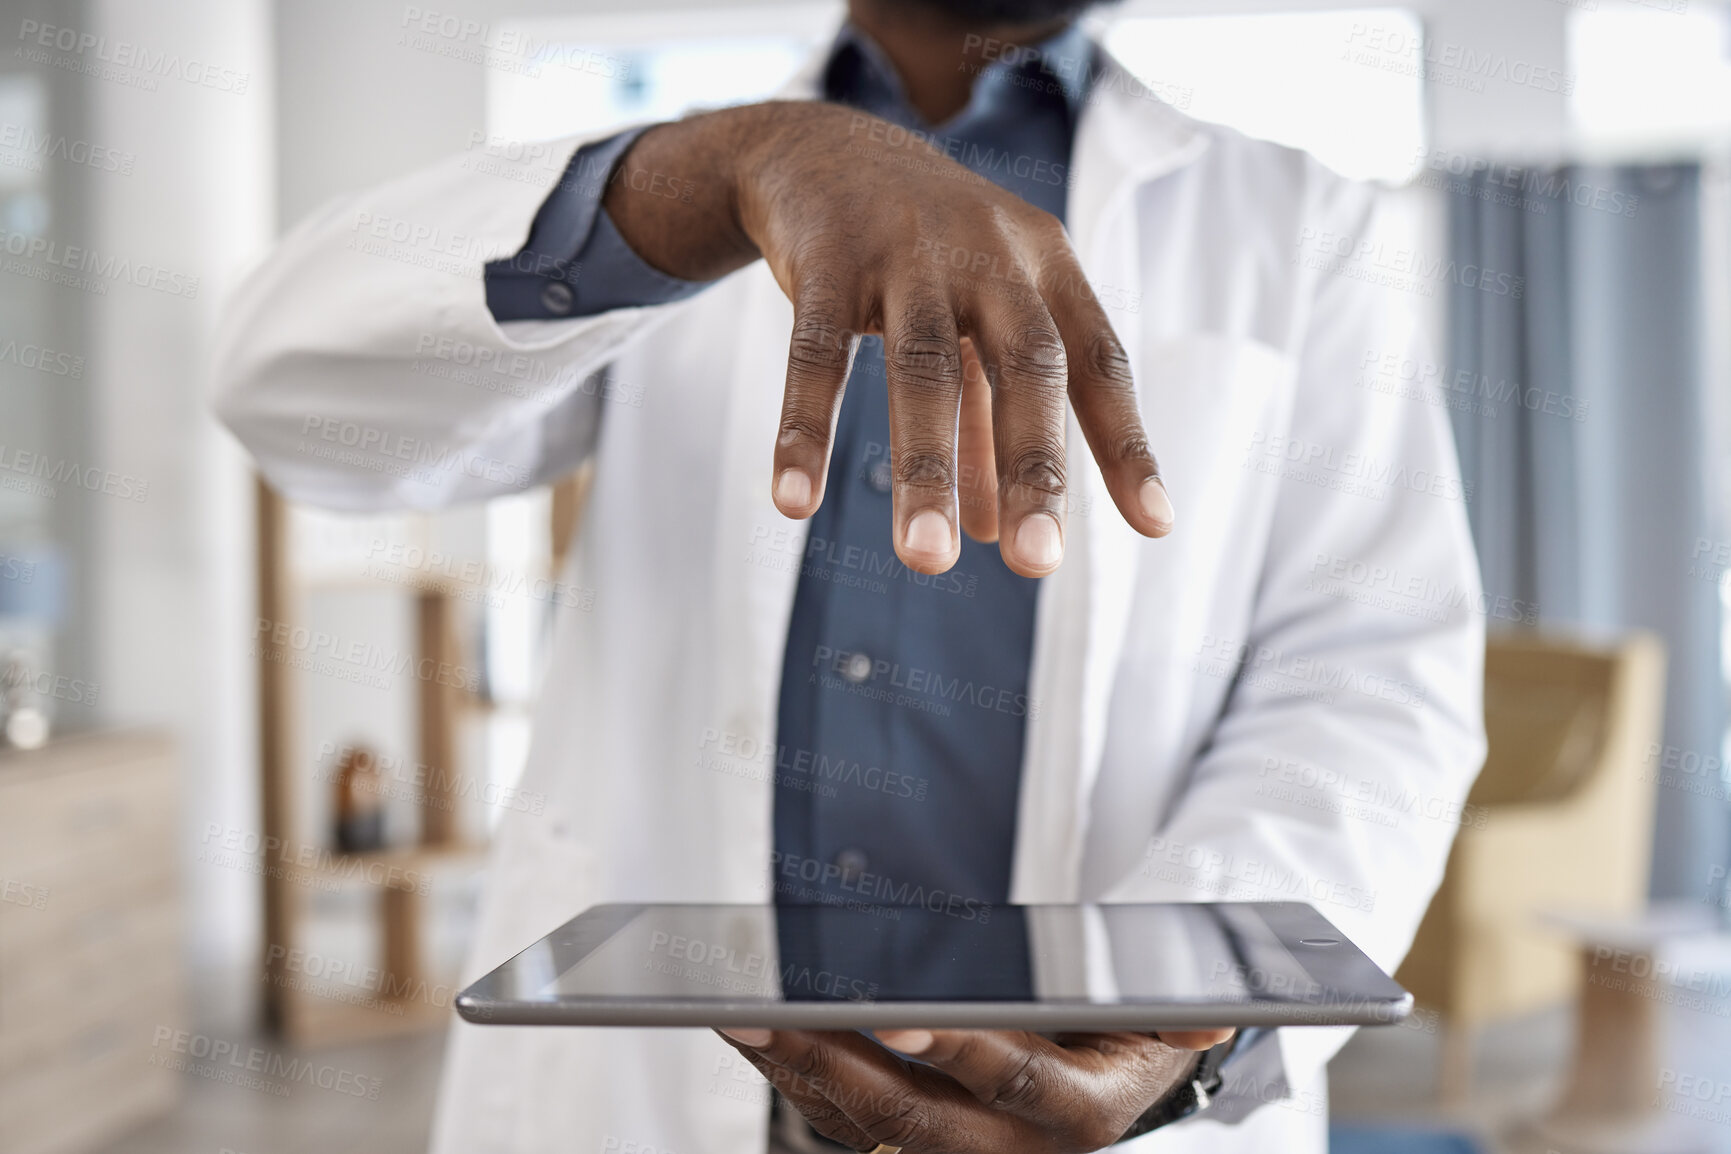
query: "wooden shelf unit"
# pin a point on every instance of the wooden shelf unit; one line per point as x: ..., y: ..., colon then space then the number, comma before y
x: 302, y: 1012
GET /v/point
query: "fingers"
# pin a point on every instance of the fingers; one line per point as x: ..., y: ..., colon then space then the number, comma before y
x: 800, y: 1093
x: 976, y: 1089
x: 818, y: 360
x: 1004, y: 1069
x: 1195, y: 1039
x: 1104, y: 397
x: 1005, y: 384
x: 1086, y: 1095
x: 923, y: 363
x: 1024, y: 347
x: 977, y: 486
x: 881, y: 1097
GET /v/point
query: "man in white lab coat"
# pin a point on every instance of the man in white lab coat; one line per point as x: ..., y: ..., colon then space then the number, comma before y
x: 1269, y: 696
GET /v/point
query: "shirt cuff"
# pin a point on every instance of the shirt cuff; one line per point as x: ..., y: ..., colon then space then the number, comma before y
x: 575, y: 263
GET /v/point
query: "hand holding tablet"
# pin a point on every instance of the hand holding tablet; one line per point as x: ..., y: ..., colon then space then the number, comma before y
x: 1057, y: 1028
x: 984, y: 1090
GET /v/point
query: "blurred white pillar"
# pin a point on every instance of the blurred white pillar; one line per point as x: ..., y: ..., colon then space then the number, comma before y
x: 1525, y: 40
x: 175, y: 603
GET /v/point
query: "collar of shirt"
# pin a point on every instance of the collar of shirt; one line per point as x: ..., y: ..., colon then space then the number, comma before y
x: 1057, y: 69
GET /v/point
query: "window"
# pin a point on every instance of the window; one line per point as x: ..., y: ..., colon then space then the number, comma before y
x: 1650, y: 79
x: 1344, y: 86
x: 590, y: 74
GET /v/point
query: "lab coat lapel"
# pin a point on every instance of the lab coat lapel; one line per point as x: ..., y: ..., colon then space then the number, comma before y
x: 1125, y: 138
x: 753, y: 599
x: 757, y: 563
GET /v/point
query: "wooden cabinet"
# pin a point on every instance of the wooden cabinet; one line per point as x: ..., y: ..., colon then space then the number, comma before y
x: 90, y: 939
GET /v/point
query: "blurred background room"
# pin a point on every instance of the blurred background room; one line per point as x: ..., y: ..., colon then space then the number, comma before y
x: 252, y: 752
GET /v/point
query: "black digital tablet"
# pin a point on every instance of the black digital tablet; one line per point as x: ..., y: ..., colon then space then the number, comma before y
x: 856, y: 967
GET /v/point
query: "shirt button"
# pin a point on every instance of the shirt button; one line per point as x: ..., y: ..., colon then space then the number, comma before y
x: 878, y: 476
x: 857, y: 668
x: 557, y: 298
x: 852, y: 863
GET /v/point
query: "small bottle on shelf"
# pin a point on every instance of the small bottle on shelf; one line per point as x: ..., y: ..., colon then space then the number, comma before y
x: 360, y: 803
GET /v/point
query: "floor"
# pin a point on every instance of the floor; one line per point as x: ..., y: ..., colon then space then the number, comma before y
x: 1382, y: 1075
x: 1391, y: 1074
x: 346, y: 1118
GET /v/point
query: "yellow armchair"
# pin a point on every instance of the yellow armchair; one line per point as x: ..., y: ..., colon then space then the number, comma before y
x: 1561, y: 820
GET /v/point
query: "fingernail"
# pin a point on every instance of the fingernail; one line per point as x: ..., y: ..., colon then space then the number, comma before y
x: 906, y: 1041
x: 753, y: 1038
x: 1039, y: 541
x: 928, y: 532
x: 1156, y: 503
x: 793, y: 489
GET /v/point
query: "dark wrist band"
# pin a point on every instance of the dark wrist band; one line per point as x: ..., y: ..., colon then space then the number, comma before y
x: 1190, y: 1096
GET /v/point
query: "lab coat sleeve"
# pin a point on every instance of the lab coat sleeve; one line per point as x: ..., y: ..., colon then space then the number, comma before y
x: 1338, y: 770
x: 362, y: 368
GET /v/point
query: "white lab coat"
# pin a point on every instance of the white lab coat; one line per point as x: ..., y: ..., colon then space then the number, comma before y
x: 1152, y: 771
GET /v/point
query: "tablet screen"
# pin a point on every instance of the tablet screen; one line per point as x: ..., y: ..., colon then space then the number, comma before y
x: 1166, y: 954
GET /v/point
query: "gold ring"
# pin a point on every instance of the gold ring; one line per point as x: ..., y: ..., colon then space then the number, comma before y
x: 883, y: 1148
